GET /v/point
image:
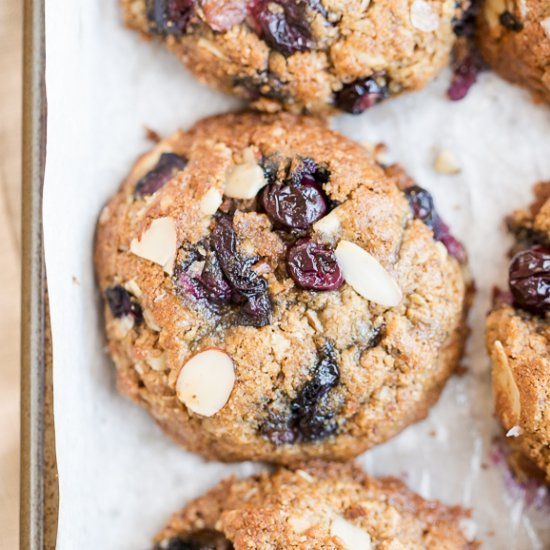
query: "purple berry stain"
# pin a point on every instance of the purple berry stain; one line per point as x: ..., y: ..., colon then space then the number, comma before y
x: 283, y: 24
x: 422, y: 207
x: 361, y: 94
x: 465, y: 71
x: 529, y: 279
x: 313, y: 266
x: 165, y: 169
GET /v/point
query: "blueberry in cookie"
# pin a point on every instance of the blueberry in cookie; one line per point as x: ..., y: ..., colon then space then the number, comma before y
x: 272, y: 293
x: 317, y: 505
x: 518, y: 340
x: 305, y: 55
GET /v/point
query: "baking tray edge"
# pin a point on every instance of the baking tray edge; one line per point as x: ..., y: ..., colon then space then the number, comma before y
x: 39, y: 490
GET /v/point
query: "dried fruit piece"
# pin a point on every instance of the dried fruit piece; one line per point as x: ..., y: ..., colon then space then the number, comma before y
x: 313, y: 266
x: 361, y: 94
x: 158, y: 243
x: 167, y: 166
x: 465, y: 71
x: 206, y: 381
x: 283, y: 24
x: 529, y: 279
x: 121, y: 303
x: 205, y: 539
x: 366, y: 275
x: 510, y: 21
x: 422, y: 206
x: 310, y: 418
x: 257, y: 308
x: 170, y: 16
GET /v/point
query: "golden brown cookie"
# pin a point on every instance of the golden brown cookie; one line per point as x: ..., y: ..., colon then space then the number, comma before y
x: 272, y: 294
x: 518, y: 337
x: 319, y: 505
x: 514, y: 39
x: 306, y: 55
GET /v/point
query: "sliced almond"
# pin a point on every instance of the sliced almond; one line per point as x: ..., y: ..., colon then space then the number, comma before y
x: 423, y: 17
x: 157, y: 362
x: 350, y: 536
x: 514, y: 431
x: 445, y: 163
x: 205, y: 382
x: 328, y: 226
x: 492, y: 10
x: 243, y: 181
x: 505, y: 389
x: 366, y: 275
x: 211, y: 201
x: 158, y: 243
x: 545, y: 24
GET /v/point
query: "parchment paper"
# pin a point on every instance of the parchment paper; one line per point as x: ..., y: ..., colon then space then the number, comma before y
x: 119, y: 476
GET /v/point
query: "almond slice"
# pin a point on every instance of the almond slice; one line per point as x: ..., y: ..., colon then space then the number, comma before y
x: 423, y: 17
x: 351, y: 536
x: 211, y: 201
x: 205, y: 382
x: 328, y: 226
x: 243, y: 181
x: 505, y: 389
x: 158, y: 243
x: 545, y: 24
x: 366, y: 275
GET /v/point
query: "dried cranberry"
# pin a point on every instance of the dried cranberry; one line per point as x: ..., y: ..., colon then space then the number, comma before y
x: 313, y: 266
x: 170, y: 16
x: 510, y: 21
x: 283, y: 24
x: 465, y: 71
x: 167, y: 165
x: 206, y: 539
x: 454, y: 247
x: 529, y: 279
x: 257, y: 307
x: 361, y: 94
x: 294, y: 206
x: 310, y: 419
x: 122, y: 303
x: 422, y: 206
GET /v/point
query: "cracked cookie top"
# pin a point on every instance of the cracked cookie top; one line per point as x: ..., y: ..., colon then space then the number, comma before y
x: 272, y: 293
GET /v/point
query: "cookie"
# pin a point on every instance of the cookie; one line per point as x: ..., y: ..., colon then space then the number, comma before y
x: 272, y: 294
x: 514, y: 39
x: 319, y: 505
x: 518, y: 337
x: 315, y: 56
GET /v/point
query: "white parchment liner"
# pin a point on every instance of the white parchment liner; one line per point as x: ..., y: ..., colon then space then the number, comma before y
x: 120, y: 477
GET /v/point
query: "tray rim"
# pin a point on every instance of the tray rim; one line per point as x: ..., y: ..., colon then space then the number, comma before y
x: 38, y: 476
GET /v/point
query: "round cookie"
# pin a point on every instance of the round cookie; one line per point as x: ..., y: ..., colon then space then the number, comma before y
x: 306, y: 55
x: 514, y: 39
x: 518, y: 338
x: 319, y: 505
x: 272, y: 294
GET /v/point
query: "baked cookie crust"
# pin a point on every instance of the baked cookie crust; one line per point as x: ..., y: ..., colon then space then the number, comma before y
x: 319, y: 505
x: 314, y: 56
x: 292, y: 372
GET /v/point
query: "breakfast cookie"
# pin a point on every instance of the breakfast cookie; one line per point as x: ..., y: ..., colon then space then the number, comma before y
x: 514, y: 39
x: 272, y: 294
x: 330, y: 506
x: 305, y: 55
x: 518, y: 336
